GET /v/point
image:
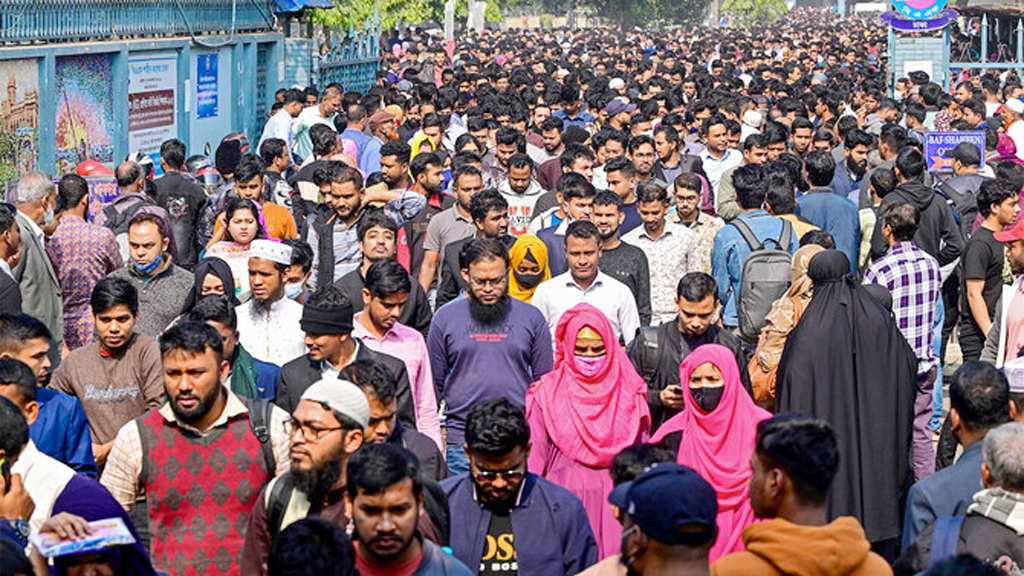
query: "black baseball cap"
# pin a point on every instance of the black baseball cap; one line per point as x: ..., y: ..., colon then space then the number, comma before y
x: 966, y: 152
x: 667, y: 497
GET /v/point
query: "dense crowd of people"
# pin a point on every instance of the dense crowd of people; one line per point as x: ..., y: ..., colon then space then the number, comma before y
x: 555, y: 302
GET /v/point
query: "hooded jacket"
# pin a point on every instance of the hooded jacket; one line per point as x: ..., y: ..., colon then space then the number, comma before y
x: 779, y: 547
x: 938, y: 235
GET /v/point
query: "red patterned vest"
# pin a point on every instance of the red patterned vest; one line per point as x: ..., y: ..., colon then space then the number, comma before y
x: 200, y: 492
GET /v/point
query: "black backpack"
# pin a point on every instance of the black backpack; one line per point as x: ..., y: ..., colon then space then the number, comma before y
x: 766, y: 277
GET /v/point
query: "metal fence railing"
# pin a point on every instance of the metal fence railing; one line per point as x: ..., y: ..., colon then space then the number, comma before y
x: 354, y: 60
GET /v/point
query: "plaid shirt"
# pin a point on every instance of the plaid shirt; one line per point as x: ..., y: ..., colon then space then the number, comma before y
x: 913, y: 278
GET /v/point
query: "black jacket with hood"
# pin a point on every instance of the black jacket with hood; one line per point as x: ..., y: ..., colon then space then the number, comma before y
x: 938, y: 235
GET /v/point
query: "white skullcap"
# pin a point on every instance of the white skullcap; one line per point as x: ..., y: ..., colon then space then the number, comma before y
x: 616, y: 83
x: 341, y: 396
x: 270, y: 250
x: 752, y: 118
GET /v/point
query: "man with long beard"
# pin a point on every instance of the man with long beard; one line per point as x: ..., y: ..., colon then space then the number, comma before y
x: 474, y: 339
x: 200, y: 458
x: 326, y: 429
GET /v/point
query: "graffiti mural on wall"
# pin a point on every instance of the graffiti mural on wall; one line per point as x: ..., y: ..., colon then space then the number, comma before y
x: 84, y: 104
x: 19, y: 108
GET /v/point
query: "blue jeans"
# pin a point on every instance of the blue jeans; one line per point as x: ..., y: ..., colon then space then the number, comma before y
x: 456, y: 458
x: 940, y: 318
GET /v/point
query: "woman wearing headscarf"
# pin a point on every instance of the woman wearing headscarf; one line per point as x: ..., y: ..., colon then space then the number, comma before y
x: 780, y: 321
x: 213, y: 276
x: 582, y: 413
x: 715, y: 435
x: 528, y: 267
x: 847, y: 363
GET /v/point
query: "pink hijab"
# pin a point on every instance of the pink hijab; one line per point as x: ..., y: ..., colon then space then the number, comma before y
x: 590, y: 419
x: 719, y: 444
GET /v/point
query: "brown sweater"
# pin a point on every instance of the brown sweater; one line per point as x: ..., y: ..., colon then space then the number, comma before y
x: 115, y: 389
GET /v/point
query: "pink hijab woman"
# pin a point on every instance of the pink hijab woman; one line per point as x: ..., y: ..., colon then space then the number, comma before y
x: 584, y: 412
x: 715, y: 435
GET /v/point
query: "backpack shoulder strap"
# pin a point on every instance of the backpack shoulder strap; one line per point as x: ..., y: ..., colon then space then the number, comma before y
x: 278, y: 495
x: 945, y: 536
x: 748, y: 234
x: 785, y: 236
x: 259, y: 421
x: 650, y: 352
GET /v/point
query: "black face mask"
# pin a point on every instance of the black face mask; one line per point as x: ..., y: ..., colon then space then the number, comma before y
x: 528, y: 280
x: 707, y: 398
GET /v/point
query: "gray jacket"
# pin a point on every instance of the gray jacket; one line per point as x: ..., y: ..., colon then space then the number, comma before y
x: 40, y: 289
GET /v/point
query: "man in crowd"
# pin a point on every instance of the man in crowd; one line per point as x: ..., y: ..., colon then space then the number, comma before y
x: 183, y: 199
x: 327, y: 324
x: 394, y: 165
x: 671, y: 249
x: 276, y: 160
x: 575, y: 199
x: 668, y: 520
x: 378, y: 235
x: 624, y: 262
x: 162, y: 286
x: 521, y: 191
x: 620, y: 175
x: 34, y: 196
x: 755, y: 151
x: 487, y: 333
x: 658, y: 350
x: 60, y: 429
x: 382, y: 130
x: 10, y: 253
x: 989, y: 530
x: 489, y: 211
x: 731, y: 250
x: 716, y: 157
x: 982, y: 265
x: 914, y: 281
x: 384, y: 489
x: 427, y: 172
x: 249, y: 184
x: 247, y: 377
x: 181, y: 448
x: 644, y: 156
x: 323, y: 113
x: 280, y: 125
x: 827, y: 210
x: 325, y: 429
x: 378, y: 327
x: 848, y: 179
x: 979, y: 397
x: 687, y: 193
x: 450, y: 225
x: 544, y: 525
x: 1005, y: 340
x: 584, y: 282
x: 268, y: 324
x: 372, y: 378
x: 795, y: 460
x: 963, y: 187
x: 117, y: 378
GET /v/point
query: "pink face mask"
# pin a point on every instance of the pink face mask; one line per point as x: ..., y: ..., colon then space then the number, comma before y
x: 589, y: 365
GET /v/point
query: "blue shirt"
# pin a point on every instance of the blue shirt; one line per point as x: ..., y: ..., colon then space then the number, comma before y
x: 836, y: 215
x: 845, y: 185
x: 370, y: 161
x: 473, y: 362
x: 61, y: 431
x: 360, y: 138
x: 731, y: 250
x: 582, y: 118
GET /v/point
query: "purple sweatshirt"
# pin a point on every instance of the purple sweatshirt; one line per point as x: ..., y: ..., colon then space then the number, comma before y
x: 473, y: 362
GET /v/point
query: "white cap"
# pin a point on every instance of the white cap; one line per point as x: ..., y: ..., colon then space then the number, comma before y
x: 616, y: 83
x: 752, y: 118
x: 1016, y: 105
x: 1014, y: 370
x: 270, y: 250
x: 341, y: 396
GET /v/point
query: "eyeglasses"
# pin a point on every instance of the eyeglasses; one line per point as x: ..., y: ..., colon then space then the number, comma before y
x: 309, y: 433
x: 484, y: 282
x: 687, y: 199
x: 511, y: 475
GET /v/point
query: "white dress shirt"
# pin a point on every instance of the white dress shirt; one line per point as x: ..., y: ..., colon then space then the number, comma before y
x: 554, y: 297
x: 275, y: 336
x: 714, y: 167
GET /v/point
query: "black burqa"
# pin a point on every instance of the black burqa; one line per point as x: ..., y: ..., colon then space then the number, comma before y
x: 847, y: 363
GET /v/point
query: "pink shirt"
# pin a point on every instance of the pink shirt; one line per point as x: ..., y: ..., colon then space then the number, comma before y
x: 1015, y: 325
x: 407, y: 344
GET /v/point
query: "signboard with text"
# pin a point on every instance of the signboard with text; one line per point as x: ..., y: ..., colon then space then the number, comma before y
x: 206, y: 85
x: 936, y: 144
x: 152, y: 101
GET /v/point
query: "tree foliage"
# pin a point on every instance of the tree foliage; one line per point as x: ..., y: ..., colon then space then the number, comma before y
x: 353, y: 13
x: 643, y: 13
x: 754, y: 12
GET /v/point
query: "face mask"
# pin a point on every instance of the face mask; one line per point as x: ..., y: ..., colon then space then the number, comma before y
x: 528, y: 280
x: 589, y: 365
x: 148, y: 268
x: 707, y: 398
x: 292, y: 290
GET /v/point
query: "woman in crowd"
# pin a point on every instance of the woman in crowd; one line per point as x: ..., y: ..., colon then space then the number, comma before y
x: 847, y: 363
x: 715, y: 435
x: 231, y: 243
x: 582, y: 413
x: 528, y: 266
x: 781, y: 320
x: 213, y: 276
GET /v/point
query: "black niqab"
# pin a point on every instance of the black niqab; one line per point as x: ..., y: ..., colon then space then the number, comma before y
x: 847, y: 363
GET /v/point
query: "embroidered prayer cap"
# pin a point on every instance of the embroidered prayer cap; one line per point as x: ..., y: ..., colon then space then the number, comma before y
x: 270, y: 250
x: 341, y: 396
